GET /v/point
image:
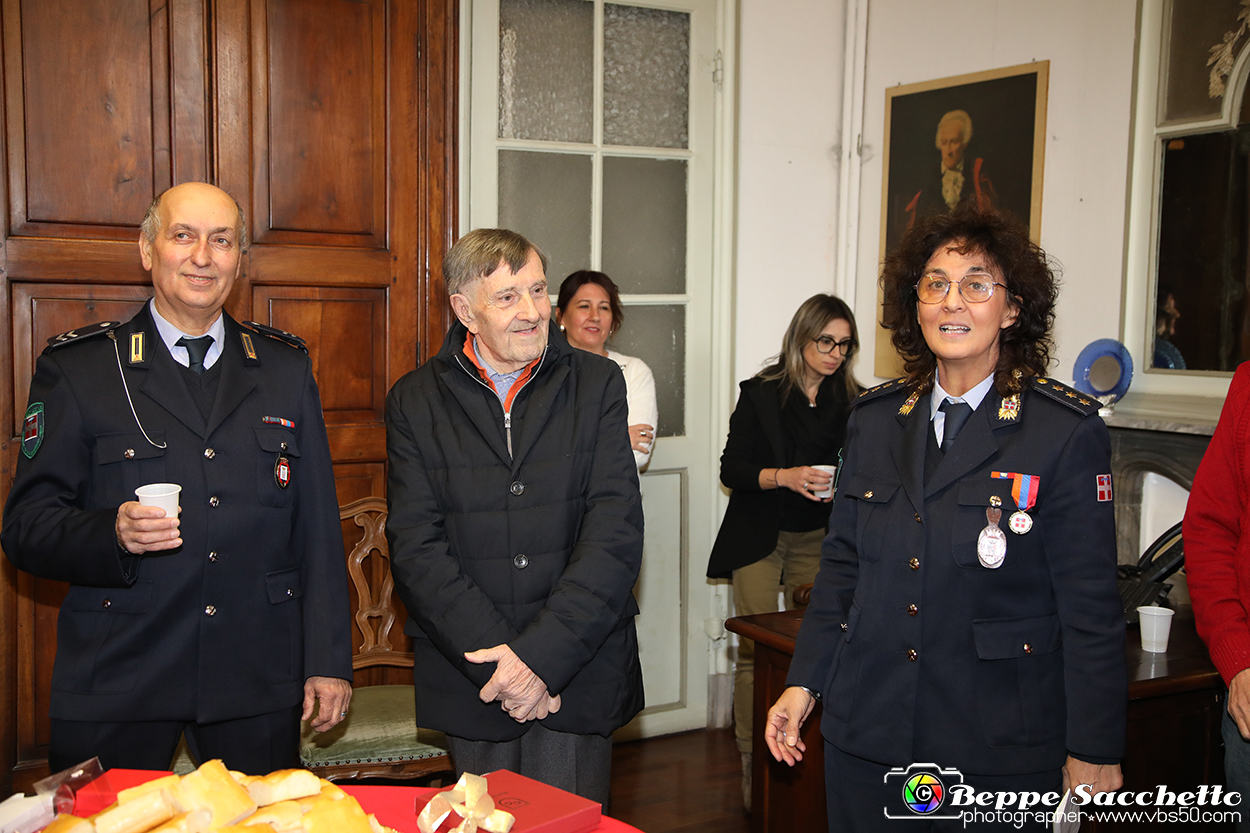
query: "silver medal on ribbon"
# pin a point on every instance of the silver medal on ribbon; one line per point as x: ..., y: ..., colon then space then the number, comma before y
x: 992, y: 543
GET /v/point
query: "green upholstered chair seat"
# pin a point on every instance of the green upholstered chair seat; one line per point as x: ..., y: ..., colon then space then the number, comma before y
x: 380, y: 727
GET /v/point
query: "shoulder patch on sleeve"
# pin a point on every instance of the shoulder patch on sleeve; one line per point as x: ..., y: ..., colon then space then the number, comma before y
x: 1074, y: 399
x: 280, y: 335
x: 80, y: 333
x: 892, y: 386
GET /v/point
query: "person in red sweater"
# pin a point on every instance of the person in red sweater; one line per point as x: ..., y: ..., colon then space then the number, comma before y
x: 1217, y: 565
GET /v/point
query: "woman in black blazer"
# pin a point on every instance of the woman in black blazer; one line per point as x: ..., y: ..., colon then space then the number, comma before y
x: 790, y: 417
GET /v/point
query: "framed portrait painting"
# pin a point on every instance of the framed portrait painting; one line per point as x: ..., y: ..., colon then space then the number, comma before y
x: 972, y: 138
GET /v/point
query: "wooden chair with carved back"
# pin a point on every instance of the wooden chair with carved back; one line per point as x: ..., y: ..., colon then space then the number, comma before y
x: 380, y: 737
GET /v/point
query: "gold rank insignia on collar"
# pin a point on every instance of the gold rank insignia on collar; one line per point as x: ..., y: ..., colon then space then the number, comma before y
x: 1009, y: 408
x: 906, y: 407
x: 249, y: 349
x: 138, y: 346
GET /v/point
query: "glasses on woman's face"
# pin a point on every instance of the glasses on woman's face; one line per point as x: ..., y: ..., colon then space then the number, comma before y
x: 974, y: 288
x: 825, y: 345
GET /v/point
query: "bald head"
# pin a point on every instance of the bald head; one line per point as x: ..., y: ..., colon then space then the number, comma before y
x: 152, y: 219
x: 192, y: 243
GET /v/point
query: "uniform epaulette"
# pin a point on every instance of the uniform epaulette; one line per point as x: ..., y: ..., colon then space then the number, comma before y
x: 81, y: 333
x: 280, y: 335
x: 1074, y: 399
x: 891, y: 386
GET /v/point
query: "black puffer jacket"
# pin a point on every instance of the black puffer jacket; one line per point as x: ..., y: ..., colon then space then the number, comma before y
x: 539, y: 549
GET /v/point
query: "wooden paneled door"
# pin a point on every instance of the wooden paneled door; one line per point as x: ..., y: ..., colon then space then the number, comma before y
x: 333, y: 122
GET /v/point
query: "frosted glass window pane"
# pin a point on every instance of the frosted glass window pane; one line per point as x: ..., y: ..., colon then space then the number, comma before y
x: 546, y: 70
x: 1196, y: 26
x: 646, y: 77
x: 546, y: 197
x: 644, y: 224
x: 657, y: 335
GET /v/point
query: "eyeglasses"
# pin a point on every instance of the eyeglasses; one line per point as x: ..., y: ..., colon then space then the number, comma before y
x: 825, y: 345
x: 975, y: 289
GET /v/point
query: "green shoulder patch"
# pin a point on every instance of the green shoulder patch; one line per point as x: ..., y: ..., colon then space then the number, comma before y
x: 32, y: 429
x: 1074, y: 399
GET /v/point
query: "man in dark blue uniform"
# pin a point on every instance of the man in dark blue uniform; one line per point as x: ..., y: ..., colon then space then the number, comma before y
x: 230, y: 622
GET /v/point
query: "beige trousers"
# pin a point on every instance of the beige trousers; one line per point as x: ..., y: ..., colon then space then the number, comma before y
x: 793, y: 564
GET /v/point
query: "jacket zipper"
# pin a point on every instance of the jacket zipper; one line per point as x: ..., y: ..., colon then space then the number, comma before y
x: 507, y: 415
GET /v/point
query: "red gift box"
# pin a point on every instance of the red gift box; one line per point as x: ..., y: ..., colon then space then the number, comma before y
x: 100, y: 793
x: 538, y: 807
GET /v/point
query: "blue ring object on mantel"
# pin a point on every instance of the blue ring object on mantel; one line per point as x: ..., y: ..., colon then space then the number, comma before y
x: 1095, y: 350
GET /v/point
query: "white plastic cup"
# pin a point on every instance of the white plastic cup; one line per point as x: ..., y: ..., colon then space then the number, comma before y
x: 1156, y: 624
x: 164, y: 495
x: 831, y: 471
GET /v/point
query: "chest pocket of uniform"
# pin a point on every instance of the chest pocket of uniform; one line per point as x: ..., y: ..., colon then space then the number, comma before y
x: 277, y: 462
x: 124, y: 462
x: 974, y: 498
x: 874, y: 495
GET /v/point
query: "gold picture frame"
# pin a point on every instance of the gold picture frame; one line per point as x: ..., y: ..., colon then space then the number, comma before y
x: 1000, y: 164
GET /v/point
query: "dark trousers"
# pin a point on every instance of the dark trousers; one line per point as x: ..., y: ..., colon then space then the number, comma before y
x: 859, y: 793
x: 254, y: 745
x: 580, y: 764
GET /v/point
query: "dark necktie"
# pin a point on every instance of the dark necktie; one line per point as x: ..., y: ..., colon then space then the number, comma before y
x: 197, y: 349
x: 957, y: 414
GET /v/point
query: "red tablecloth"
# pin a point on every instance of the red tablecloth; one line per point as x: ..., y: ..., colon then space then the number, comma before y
x: 394, y: 806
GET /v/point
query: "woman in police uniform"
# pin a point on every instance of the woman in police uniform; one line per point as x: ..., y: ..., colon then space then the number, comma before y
x: 966, y: 613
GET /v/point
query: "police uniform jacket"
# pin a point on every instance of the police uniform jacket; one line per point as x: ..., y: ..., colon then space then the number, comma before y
x: 924, y: 655
x: 254, y: 601
x: 522, y: 528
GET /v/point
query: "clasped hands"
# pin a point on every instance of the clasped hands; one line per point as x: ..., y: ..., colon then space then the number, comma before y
x: 520, y: 692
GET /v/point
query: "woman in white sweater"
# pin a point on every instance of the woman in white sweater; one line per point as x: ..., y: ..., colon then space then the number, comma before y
x: 589, y: 312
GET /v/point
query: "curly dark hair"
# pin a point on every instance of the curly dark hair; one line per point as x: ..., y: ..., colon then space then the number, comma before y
x: 1028, y: 272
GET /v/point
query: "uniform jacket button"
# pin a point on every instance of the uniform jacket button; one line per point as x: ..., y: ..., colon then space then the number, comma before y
x: 911, y: 654
x: 912, y: 610
x: 868, y: 494
x: 914, y: 563
x: 210, y: 611
x: 209, y: 454
x: 130, y: 454
x: 108, y: 603
x: 283, y: 445
x: 212, y: 556
x: 918, y: 518
x: 517, y: 488
x: 521, y: 561
x: 213, y: 501
x: 844, y: 627
x: 289, y: 592
x: 1028, y: 649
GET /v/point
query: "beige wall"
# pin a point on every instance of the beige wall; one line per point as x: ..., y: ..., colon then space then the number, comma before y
x: 791, y: 88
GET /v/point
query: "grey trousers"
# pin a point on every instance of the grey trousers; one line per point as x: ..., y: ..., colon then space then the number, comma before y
x: 580, y: 764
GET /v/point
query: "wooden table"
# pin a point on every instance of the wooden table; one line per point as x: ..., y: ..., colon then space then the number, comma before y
x: 1174, y: 714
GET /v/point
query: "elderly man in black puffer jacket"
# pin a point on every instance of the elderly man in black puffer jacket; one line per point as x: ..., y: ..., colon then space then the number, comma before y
x: 515, y: 529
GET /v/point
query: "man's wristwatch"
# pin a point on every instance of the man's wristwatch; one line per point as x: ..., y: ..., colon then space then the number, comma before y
x: 815, y: 694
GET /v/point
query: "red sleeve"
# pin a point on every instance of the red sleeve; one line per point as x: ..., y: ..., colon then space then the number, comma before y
x: 1217, y: 559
